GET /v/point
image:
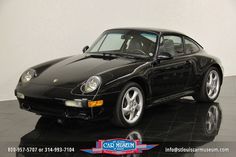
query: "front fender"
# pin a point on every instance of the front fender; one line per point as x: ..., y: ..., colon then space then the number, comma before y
x: 117, y: 83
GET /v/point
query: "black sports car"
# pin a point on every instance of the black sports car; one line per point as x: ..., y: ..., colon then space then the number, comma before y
x: 121, y: 74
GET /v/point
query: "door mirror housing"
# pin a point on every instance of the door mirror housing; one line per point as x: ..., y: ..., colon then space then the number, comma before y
x: 164, y: 56
x: 85, y: 48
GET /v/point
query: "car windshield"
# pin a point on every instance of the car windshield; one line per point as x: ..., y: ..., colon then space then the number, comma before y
x: 126, y: 42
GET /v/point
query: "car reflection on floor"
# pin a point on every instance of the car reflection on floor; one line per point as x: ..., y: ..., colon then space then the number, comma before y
x: 183, y: 123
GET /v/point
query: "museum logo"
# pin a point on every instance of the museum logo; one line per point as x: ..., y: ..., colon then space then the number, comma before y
x: 119, y: 147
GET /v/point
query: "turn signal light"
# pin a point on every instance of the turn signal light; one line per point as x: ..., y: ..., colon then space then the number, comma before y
x: 95, y: 103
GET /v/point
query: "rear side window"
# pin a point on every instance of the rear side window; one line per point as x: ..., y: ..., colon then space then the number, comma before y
x: 190, y: 46
x: 171, y: 44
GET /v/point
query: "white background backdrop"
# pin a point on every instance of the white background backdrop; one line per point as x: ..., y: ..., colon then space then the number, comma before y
x: 34, y: 31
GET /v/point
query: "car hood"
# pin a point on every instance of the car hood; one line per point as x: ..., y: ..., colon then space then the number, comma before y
x: 74, y: 70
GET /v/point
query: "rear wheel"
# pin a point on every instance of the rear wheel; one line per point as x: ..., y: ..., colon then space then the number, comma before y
x: 210, y: 87
x: 129, y: 107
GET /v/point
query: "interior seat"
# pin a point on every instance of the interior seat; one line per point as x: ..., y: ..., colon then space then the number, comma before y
x: 168, y: 47
x: 135, y: 44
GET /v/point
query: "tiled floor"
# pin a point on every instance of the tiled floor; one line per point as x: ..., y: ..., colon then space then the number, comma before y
x: 180, y: 123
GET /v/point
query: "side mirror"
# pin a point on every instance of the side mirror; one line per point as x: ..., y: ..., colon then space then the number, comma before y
x: 85, y: 49
x: 164, y: 56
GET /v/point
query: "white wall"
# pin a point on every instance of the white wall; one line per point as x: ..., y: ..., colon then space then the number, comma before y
x: 34, y: 31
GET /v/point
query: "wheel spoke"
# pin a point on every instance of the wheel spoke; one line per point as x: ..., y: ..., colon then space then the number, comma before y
x: 134, y: 95
x: 209, y: 126
x: 208, y: 85
x: 128, y: 98
x: 210, y: 92
x: 126, y: 110
x: 137, y: 107
x: 213, y: 111
x: 214, y: 90
x: 214, y: 116
x: 209, y: 114
x: 214, y: 121
x: 211, y: 77
x: 131, y: 115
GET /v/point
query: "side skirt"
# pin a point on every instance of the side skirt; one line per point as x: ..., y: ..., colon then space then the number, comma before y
x: 171, y: 97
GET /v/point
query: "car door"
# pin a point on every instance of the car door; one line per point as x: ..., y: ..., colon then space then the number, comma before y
x: 191, y: 47
x: 170, y: 76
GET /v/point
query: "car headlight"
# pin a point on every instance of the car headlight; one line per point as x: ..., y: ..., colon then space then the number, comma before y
x: 92, y: 84
x: 28, y: 75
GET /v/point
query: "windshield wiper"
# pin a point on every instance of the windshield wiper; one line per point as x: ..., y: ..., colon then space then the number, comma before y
x: 101, y: 54
x: 117, y: 54
x: 120, y: 54
x: 130, y: 55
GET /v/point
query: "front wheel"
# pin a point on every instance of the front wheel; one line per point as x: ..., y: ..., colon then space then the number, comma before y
x: 129, y: 108
x: 210, y: 87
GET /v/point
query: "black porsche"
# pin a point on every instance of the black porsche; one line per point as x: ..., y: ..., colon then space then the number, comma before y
x: 124, y: 72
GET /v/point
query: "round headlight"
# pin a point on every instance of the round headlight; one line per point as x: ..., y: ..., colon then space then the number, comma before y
x: 92, y: 84
x: 28, y: 75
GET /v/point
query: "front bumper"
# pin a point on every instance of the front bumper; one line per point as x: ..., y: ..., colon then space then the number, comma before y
x: 53, y: 103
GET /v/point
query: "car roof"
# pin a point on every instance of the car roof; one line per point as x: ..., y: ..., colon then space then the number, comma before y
x: 156, y: 30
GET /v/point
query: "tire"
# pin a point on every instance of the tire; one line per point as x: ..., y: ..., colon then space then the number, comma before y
x: 210, y: 87
x: 129, y: 107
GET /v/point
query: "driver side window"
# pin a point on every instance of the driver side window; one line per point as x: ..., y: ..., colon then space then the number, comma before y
x: 172, y: 45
